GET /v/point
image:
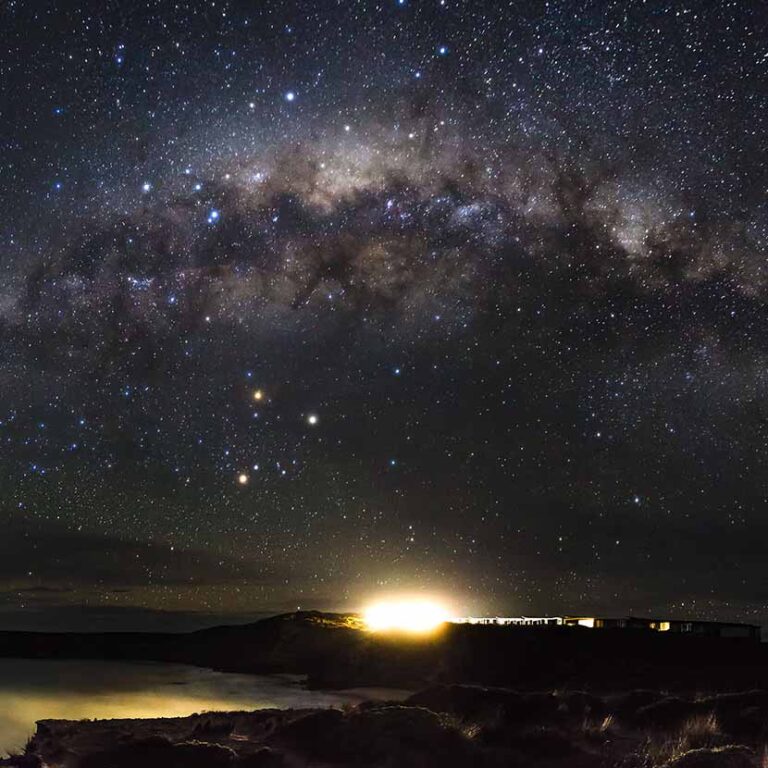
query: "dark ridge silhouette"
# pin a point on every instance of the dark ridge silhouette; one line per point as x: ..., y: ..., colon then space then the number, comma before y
x: 334, y: 653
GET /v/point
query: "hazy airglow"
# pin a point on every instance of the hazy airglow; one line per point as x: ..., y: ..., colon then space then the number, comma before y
x: 412, y: 616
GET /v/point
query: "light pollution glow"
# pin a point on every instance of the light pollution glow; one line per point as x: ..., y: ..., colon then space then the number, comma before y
x: 417, y: 616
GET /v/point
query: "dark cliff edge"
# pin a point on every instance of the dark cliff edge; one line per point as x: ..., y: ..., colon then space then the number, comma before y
x: 334, y: 653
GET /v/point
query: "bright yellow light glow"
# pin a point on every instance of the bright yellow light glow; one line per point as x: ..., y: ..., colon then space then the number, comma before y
x: 242, y: 479
x: 258, y: 395
x: 413, y: 616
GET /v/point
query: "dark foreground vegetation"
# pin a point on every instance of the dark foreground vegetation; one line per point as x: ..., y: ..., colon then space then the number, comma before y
x: 333, y: 653
x: 442, y: 726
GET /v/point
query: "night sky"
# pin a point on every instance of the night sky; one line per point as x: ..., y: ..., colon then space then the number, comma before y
x: 307, y: 302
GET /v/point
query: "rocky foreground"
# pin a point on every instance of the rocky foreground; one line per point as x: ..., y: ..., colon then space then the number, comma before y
x: 441, y: 726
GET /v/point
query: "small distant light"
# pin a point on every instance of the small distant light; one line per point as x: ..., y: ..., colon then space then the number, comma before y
x: 290, y: 96
x: 242, y: 478
x: 146, y: 187
x: 443, y: 50
x: 197, y: 187
x: 258, y: 395
x: 312, y: 419
x: 213, y: 216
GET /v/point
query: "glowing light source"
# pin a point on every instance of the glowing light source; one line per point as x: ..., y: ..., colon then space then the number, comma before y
x: 412, y: 616
x: 242, y: 478
x: 312, y: 419
x: 258, y: 395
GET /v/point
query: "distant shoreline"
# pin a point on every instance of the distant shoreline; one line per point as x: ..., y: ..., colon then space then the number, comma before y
x: 333, y: 655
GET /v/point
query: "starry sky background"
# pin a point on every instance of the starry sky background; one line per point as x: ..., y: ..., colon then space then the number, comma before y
x: 304, y: 302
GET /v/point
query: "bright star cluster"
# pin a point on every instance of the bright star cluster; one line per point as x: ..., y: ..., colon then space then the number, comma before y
x: 303, y: 301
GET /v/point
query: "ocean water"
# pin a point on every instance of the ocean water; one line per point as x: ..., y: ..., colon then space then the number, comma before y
x: 32, y: 690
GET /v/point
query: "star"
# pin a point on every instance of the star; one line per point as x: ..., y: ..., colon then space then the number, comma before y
x: 268, y: 214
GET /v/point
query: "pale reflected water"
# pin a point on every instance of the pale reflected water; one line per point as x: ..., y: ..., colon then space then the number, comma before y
x: 33, y: 690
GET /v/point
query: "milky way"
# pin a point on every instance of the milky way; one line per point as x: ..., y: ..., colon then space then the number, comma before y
x: 300, y: 303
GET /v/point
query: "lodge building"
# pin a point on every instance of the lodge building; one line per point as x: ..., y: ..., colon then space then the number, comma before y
x: 688, y: 626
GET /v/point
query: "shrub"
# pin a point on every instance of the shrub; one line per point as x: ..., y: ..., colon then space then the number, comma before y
x: 720, y: 757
